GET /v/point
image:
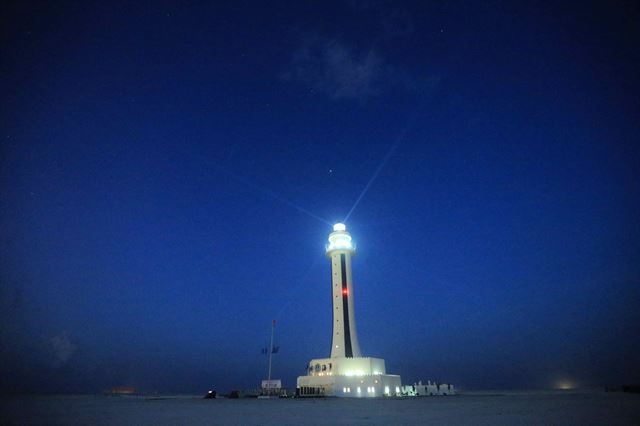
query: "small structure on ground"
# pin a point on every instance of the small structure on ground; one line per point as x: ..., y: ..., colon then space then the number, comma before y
x: 428, y: 389
x: 210, y: 395
x: 123, y: 390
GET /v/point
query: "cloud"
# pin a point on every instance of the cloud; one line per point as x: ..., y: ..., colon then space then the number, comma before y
x: 333, y: 68
x: 63, y: 349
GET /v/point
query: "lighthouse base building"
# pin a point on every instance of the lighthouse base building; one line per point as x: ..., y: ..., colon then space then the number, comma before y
x: 348, y: 377
x: 345, y: 373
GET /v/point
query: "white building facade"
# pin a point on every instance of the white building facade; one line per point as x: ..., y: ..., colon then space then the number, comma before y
x: 346, y: 373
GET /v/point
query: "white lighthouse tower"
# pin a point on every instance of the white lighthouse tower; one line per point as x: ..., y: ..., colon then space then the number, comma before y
x: 339, y: 250
x: 346, y: 373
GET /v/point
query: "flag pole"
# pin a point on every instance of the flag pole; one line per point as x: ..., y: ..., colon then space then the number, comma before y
x: 273, y: 326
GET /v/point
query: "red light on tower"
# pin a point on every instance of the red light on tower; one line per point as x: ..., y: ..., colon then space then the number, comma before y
x: 345, y: 291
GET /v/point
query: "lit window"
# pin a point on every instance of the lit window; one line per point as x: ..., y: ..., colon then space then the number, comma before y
x: 358, y: 389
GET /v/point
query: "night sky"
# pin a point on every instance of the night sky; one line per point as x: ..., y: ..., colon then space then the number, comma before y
x: 170, y: 172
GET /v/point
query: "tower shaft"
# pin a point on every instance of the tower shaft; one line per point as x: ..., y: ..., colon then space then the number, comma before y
x: 345, y: 338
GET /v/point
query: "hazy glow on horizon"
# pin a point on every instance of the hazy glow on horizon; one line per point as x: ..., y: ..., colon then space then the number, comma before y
x: 564, y: 384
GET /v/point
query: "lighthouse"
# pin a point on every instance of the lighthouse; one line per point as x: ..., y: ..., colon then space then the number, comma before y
x: 346, y: 373
x: 340, y: 251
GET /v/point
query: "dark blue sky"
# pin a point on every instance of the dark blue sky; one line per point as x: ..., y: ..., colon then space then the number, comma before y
x: 157, y: 161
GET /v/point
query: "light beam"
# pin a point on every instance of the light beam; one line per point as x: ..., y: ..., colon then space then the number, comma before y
x: 273, y: 195
x: 381, y: 166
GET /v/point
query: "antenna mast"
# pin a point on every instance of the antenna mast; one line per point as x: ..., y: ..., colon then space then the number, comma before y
x: 273, y: 326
